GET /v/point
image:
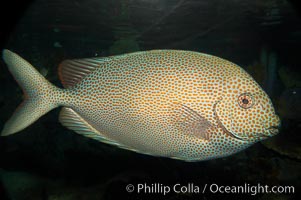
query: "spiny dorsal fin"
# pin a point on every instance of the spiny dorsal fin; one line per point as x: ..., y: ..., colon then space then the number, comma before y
x: 75, y: 122
x: 73, y: 71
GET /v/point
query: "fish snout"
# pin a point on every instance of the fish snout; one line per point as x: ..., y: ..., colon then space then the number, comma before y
x: 273, y: 130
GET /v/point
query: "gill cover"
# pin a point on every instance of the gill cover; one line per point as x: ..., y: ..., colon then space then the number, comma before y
x: 241, y: 116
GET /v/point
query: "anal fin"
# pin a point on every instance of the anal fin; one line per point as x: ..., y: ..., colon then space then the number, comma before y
x: 70, y: 119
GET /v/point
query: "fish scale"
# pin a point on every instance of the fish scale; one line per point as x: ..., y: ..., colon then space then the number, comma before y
x: 149, y: 98
x: 179, y: 104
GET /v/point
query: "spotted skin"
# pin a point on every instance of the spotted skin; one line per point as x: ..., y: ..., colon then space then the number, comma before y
x: 179, y: 104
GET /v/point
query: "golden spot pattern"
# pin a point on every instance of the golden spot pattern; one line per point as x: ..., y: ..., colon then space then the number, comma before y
x: 132, y: 99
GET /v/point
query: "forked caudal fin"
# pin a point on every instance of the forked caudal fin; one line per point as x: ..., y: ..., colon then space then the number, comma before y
x: 40, y: 96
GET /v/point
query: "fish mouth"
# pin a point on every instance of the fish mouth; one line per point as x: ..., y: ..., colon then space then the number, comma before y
x: 273, y: 130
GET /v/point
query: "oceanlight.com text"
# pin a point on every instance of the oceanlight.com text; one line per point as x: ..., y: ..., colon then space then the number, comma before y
x: 191, y: 188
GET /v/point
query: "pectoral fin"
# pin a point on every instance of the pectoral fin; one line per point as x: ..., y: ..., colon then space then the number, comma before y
x: 192, y: 123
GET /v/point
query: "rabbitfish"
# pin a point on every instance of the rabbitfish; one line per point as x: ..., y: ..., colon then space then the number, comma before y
x: 178, y: 104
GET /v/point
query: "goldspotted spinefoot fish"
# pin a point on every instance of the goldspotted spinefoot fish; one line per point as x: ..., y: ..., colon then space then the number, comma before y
x: 178, y: 104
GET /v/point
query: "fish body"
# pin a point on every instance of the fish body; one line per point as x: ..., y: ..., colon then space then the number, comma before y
x: 179, y: 104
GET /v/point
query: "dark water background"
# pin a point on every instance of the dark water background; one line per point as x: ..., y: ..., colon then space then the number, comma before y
x: 47, y: 161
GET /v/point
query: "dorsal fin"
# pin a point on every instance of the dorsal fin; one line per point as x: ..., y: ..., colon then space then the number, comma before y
x: 73, y: 71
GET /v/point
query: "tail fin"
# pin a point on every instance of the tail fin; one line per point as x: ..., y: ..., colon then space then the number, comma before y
x: 37, y: 91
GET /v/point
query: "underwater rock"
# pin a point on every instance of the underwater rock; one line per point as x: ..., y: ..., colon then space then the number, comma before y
x: 63, y: 192
x: 267, y: 70
x: 271, y: 74
x: 289, y: 106
x: 288, y: 146
x: 56, y: 30
x: 289, y: 78
x: 264, y: 71
x: 25, y: 186
x: 57, y: 44
x: 257, y: 70
x: 275, y: 197
x: 125, y: 45
x: 289, y: 171
x: 22, y: 186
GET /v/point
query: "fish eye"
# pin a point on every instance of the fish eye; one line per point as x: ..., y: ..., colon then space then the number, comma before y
x: 245, y: 101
